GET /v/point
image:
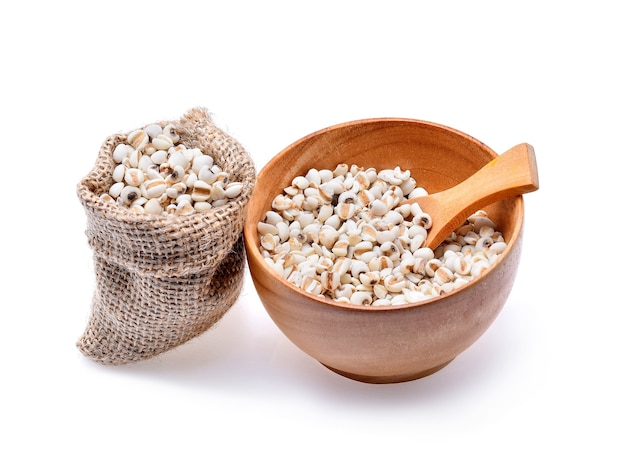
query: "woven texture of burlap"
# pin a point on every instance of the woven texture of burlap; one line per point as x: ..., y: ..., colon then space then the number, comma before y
x: 161, y: 281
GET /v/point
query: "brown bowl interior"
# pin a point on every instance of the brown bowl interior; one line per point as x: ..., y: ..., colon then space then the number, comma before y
x: 385, y: 344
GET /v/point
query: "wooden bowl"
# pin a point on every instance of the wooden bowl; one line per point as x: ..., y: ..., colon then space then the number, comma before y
x: 389, y: 343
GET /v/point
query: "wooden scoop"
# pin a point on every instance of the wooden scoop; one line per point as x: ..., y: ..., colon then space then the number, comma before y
x: 510, y: 174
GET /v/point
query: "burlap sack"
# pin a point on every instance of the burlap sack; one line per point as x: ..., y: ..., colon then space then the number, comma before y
x: 161, y: 281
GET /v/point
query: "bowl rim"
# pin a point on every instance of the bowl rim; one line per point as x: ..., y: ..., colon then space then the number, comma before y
x: 251, y: 234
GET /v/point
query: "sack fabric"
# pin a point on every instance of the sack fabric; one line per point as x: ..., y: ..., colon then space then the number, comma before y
x: 162, y: 280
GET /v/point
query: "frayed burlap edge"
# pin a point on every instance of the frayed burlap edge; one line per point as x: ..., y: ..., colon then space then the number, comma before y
x: 161, y: 281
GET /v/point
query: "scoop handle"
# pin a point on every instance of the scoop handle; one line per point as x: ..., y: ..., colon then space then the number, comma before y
x: 512, y: 173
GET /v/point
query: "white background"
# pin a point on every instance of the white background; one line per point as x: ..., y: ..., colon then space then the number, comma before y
x: 547, y: 375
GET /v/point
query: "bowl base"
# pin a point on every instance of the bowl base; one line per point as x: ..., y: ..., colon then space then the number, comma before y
x: 388, y: 378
